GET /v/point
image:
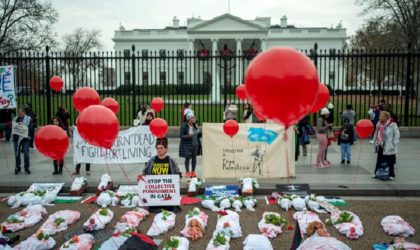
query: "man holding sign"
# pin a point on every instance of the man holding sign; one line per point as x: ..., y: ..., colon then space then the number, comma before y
x: 20, y: 130
x: 157, y: 193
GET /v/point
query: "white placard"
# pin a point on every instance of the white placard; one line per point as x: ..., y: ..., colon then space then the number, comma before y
x: 20, y: 129
x: 160, y: 190
x: 7, y: 88
x: 133, y: 145
x: 48, y: 187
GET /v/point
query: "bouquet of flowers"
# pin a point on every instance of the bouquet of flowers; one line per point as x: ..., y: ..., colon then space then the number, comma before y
x: 177, y: 243
x: 347, y: 223
x: 271, y: 223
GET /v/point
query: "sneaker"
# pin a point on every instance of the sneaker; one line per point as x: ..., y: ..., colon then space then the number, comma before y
x: 319, y: 165
x: 326, y: 163
x: 28, y: 171
x: 348, y: 161
x: 371, y: 142
x: 55, y: 173
x: 193, y: 174
x: 374, y: 176
x: 87, y: 172
x: 342, y: 161
x: 391, y: 178
x: 17, y: 172
x: 188, y: 174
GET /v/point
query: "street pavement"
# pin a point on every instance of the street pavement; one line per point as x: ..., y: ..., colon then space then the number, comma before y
x: 353, y: 179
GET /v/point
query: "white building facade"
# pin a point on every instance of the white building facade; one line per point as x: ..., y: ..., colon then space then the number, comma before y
x: 220, y: 33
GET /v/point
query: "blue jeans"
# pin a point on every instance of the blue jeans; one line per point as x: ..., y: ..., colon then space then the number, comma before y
x: 24, y: 146
x: 345, y: 151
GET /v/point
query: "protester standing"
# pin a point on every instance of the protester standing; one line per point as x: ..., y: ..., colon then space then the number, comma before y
x: 64, y: 117
x: 33, y: 125
x: 304, y: 134
x: 230, y: 112
x: 345, y: 140
x: 386, y: 139
x: 190, y: 145
x: 58, y: 164
x: 6, y: 118
x: 322, y: 128
x: 349, y: 114
x: 185, y: 111
x: 21, y: 143
x: 141, y: 114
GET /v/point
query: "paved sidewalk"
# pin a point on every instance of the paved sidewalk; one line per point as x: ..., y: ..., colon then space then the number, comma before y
x: 350, y: 179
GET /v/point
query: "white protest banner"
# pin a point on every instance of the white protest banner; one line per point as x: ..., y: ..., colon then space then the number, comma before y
x: 20, y: 130
x: 257, y: 150
x: 47, y: 187
x: 160, y: 190
x: 7, y: 88
x: 133, y: 145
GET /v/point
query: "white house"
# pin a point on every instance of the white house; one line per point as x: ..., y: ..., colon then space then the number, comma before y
x: 225, y: 31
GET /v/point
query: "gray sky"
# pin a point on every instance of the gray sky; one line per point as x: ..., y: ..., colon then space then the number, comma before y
x: 106, y: 15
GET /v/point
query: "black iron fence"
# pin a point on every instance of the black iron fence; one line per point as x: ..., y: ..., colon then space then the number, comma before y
x: 208, y: 81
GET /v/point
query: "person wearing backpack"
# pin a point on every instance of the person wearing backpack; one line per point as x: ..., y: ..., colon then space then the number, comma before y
x: 345, y: 140
x: 385, y: 141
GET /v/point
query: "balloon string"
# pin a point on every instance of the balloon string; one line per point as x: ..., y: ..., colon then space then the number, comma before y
x: 106, y: 163
x: 290, y: 219
x: 358, y: 163
x: 234, y: 159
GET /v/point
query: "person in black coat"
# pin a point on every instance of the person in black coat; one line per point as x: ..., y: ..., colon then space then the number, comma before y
x: 190, y: 145
x: 346, y: 139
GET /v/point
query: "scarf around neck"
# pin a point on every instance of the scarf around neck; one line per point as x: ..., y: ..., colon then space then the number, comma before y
x: 380, y: 138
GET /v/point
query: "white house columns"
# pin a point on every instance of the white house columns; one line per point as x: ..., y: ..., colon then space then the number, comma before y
x: 215, y: 90
x: 238, y: 67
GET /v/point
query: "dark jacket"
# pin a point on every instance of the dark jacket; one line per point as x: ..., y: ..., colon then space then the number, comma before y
x: 346, y: 134
x: 185, y: 147
x: 304, y: 131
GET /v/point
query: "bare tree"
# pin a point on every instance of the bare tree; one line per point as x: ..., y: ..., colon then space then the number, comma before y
x: 404, y: 13
x: 26, y: 25
x: 78, y: 49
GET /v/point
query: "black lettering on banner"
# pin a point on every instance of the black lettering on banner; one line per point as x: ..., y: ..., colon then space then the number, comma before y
x: 152, y: 196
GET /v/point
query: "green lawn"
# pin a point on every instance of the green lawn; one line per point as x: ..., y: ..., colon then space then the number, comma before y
x: 207, y: 112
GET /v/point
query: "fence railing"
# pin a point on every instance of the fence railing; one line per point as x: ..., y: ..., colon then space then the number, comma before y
x: 208, y: 81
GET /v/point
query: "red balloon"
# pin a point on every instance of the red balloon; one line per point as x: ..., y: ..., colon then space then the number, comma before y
x: 84, y: 97
x: 158, y: 127
x: 52, y: 141
x: 98, y: 126
x: 321, y: 99
x: 112, y: 104
x: 231, y: 128
x: 282, y: 83
x: 56, y: 83
x: 157, y: 104
x: 364, y: 128
x: 241, y: 92
x: 259, y: 115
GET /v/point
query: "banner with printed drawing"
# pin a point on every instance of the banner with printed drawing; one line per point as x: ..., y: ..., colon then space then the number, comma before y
x: 257, y: 150
x: 7, y: 88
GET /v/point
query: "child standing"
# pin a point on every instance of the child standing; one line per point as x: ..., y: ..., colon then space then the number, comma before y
x: 346, y: 139
x: 58, y: 164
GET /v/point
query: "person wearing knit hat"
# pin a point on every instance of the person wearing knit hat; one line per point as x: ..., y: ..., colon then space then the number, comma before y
x: 190, y: 145
x: 322, y: 129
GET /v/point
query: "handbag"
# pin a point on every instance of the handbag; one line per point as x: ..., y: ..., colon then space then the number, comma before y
x: 330, y: 134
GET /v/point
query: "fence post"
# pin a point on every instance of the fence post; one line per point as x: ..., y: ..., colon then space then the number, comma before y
x: 314, y: 57
x: 407, y: 88
x: 133, y: 76
x: 225, y: 91
x: 47, y: 83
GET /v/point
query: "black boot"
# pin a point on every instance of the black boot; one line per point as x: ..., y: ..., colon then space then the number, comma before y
x: 55, y: 169
x: 60, y: 170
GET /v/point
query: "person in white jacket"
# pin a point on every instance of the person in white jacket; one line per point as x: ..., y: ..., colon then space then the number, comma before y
x: 385, y: 141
